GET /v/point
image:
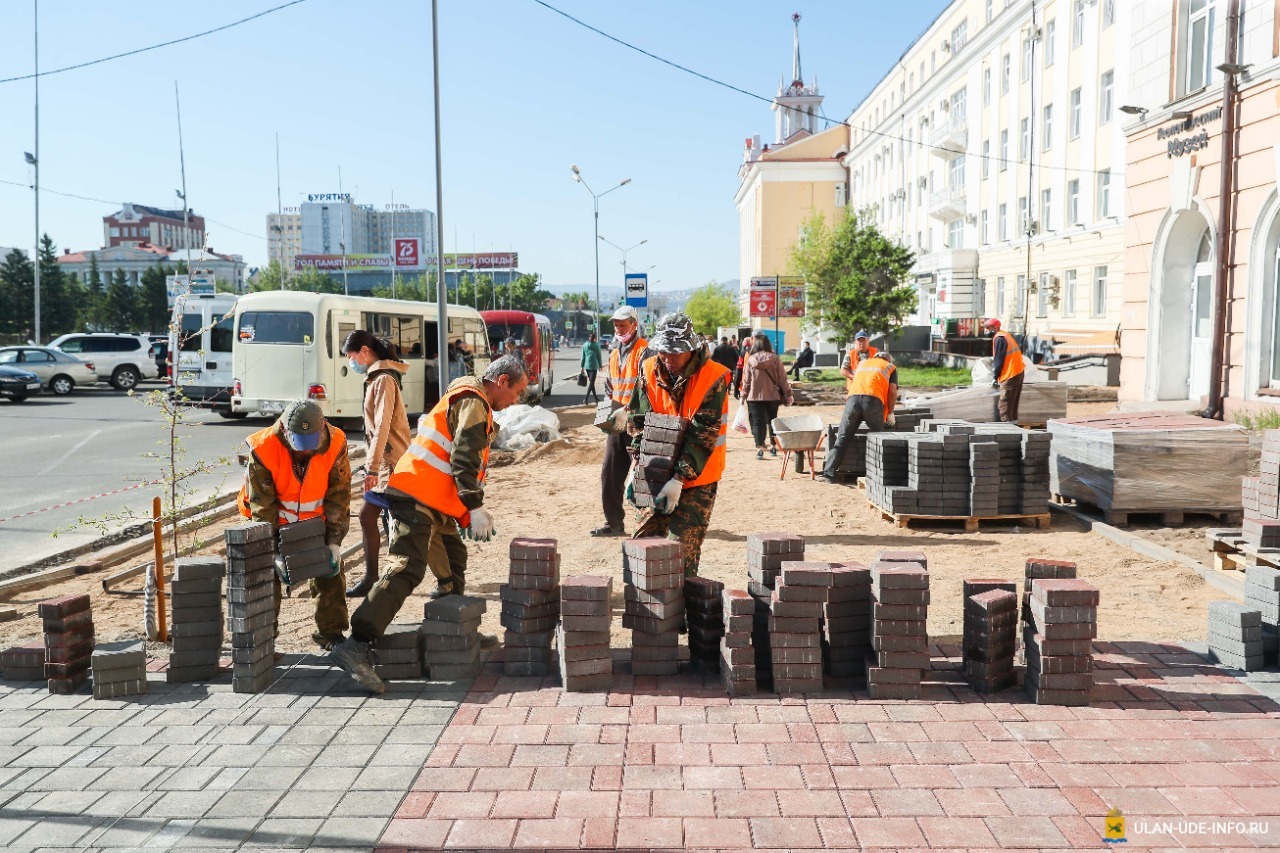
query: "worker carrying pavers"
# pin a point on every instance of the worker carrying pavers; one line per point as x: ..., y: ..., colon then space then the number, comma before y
x: 1007, y: 370
x: 873, y: 394
x: 628, y: 354
x: 858, y: 353
x: 298, y: 469
x: 436, y: 495
x: 682, y: 380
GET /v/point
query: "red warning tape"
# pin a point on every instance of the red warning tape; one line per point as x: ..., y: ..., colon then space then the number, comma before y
x: 80, y: 500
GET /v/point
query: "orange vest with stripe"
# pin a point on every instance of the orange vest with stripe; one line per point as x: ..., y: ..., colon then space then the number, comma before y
x: 623, y: 375
x: 871, y: 379
x: 424, y: 470
x: 1012, y: 356
x: 853, y: 365
x: 298, y: 500
x: 699, y: 384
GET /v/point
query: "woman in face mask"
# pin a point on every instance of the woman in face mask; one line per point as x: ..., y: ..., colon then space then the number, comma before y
x: 386, y: 434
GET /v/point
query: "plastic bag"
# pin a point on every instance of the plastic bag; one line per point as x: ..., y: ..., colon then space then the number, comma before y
x: 521, y: 426
x: 740, y: 422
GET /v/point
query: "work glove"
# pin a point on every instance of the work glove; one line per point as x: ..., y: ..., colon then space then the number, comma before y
x: 481, y: 529
x: 890, y: 420
x: 618, y: 420
x: 630, y: 489
x: 995, y: 383
x: 335, y: 558
x: 666, y: 500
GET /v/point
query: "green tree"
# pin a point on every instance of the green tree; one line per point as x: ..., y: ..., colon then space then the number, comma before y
x: 221, y: 285
x: 711, y: 306
x: 309, y: 280
x: 153, y: 300
x: 61, y: 296
x: 16, y: 282
x: 95, y: 297
x: 856, y: 276
x: 120, y: 308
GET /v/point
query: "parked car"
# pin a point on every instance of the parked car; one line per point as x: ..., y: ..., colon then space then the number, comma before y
x: 123, y: 360
x: 161, y: 346
x: 59, y: 372
x: 18, y: 384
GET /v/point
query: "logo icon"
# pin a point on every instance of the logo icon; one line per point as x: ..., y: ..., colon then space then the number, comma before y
x: 407, y: 250
x: 1113, y: 828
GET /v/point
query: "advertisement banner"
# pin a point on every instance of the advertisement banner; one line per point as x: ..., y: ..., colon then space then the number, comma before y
x: 790, y: 296
x: 200, y: 285
x: 638, y: 289
x: 763, y: 302
x: 480, y: 261
x: 408, y: 253
x: 335, y: 262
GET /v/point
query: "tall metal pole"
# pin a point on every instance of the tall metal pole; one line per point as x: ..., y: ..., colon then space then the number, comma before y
x: 342, y: 235
x: 182, y: 166
x: 36, y: 164
x: 1226, y: 203
x: 442, y: 303
x: 279, y: 216
x: 595, y: 323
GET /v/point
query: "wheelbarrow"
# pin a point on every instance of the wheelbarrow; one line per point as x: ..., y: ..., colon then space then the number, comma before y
x: 802, y: 434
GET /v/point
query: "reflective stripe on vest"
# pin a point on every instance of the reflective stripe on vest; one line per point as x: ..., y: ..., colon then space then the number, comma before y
x: 425, y: 470
x: 853, y: 366
x: 298, y: 500
x: 624, y: 375
x: 871, y: 379
x: 699, y: 385
x: 1012, y: 356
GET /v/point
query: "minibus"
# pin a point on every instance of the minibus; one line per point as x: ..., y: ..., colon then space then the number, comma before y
x: 532, y: 334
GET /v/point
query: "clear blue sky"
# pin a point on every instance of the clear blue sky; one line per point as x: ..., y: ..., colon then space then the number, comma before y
x: 525, y: 94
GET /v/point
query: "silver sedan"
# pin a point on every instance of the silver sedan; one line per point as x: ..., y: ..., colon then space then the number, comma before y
x: 58, y: 372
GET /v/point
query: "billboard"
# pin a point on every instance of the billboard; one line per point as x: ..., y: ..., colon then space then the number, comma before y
x: 199, y: 284
x: 408, y: 253
x: 637, y: 289
x: 790, y: 296
x: 763, y: 296
x: 481, y: 261
x: 335, y: 262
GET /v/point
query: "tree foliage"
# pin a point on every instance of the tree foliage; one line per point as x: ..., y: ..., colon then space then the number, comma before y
x: 711, y: 306
x: 120, y: 309
x: 16, y: 277
x: 311, y: 280
x: 523, y: 294
x: 153, y: 300
x: 856, y: 276
x: 62, y: 296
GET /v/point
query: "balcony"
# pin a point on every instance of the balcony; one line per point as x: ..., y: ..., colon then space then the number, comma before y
x: 947, y: 204
x: 949, y: 138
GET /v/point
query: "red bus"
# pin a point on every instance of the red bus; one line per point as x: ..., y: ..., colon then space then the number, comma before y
x: 531, y: 334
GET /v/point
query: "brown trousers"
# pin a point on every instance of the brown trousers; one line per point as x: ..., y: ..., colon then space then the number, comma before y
x: 1010, y: 396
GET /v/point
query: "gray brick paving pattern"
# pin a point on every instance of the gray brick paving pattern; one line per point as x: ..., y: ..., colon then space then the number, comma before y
x: 314, y: 763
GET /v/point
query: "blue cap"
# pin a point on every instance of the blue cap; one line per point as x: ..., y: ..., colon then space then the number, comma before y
x: 862, y: 334
x: 302, y: 441
x: 303, y: 424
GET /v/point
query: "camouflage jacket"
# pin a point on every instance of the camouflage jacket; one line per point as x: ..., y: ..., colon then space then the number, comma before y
x: 468, y: 423
x: 704, y: 429
x: 263, y: 505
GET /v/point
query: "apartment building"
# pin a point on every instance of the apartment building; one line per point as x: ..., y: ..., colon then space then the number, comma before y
x: 994, y: 148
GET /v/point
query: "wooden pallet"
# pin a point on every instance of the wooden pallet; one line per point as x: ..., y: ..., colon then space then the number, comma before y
x: 971, y: 523
x: 1167, y: 517
x: 1231, y: 553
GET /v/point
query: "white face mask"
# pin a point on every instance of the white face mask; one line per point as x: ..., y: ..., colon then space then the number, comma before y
x: 627, y: 338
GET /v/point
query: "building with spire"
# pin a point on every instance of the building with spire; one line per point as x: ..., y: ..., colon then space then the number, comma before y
x: 796, y: 107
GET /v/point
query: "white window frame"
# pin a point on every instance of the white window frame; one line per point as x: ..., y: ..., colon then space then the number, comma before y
x: 1024, y: 139
x: 1196, y: 78
x: 986, y: 86
x: 955, y: 172
x: 1024, y: 214
x: 1104, y: 194
x: 1098, y: 298
x: 1006, y: 73
x: 1046, y: 210
x: 990, y: 10
x: 1003, y: 222
x: 1076, y: 120
x: 984, y: 230
x: 1106, y: 96
x: 1108, y: 13
x: 959, y: 105
x: 1027, y: 52
x: 986, y: 159
x: 1069, y: 293
x: 1050, y: 30
x: 1004, y: 150
x: 1042, y: 295
x: 1073, y: 202
x: 1077, y: 24
x: 1020, y: 297
x: 955, y: 234
x: 999, y: 296
x: 1046, y: 126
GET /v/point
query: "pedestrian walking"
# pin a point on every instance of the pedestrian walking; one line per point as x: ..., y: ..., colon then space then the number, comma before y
x: 1008, y: 369
x: 764, y: 387
x: 298, y: 469
x: 386, y: 435
x: 725, y: 354
x: 619, y: 385
x: 681, y: 379
x: 873, y: 396
x: 592, y: 360
x: 804, y: 359
x: 437, y: 497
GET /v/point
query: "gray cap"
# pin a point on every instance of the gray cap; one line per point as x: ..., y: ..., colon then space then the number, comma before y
x: 303, y: 420
x: 674, y: 335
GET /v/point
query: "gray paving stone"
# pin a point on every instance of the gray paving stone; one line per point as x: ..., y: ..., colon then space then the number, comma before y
x: 89, y: 755
x: 383, y: 778
x: 368, y: 804
x: 279, y: 833
x: 68, y: 779
x: 401, y: 754
x: 52, y: 735
x: 245, y: 755
x: 59, y: 718
x: 308, y: 734
x: 171, y: 833
x: 346, y: 755
x: 175, y: 755
x: 184, y: 735
x: 331, y: 717
x: 328, y: 779
x: 298, y: 803
x: 129, y: 735
x: 270, y: 735
x: 26, y: 778
x: 127, y: 778
x: 128, y: 756
x: 291, y: 755
x: 187, y: 778
x: 124, y: 832
x: 230, y: 832
x: 46, y: 756
x: 109, y: 718
x: 378, y: 715
x: 9, y: 755
x: 10, y: 735
x: 245, y: 803
x: 63, y: 831
x: 350, y: 831
x: 64, y: 802
x: 351, y: 735
x: 184, y: 804
x: 415, y: 734
x: 224, y: 733
x: 227, y: 778
x: 269, y: 778
x: 113, y: 804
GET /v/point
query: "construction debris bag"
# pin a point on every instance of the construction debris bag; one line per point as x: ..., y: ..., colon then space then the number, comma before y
x: 521, y: 427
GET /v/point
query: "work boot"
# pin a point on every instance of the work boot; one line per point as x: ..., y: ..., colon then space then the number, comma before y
x: 609, y: 530
x: 327, y: 643
x: 361, y: 589
x: 357, y: 660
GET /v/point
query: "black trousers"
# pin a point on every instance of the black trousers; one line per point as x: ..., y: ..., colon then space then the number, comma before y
x: 591, y: 387
x: 761, y: 414
x: 859, y: 409
x: 613, y: 478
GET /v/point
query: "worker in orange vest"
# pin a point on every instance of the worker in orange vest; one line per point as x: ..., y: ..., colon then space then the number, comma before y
x: 872, y: 398
x: 298, y: 469
x: 858, y: 353
x: 681, y: 379
x: 629, y: 351
x: 1007, y: 370
x: 436, y: 495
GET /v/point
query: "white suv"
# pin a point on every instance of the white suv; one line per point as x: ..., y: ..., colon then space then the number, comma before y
x: 122, y: 360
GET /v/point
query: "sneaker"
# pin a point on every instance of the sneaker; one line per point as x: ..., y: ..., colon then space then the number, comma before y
x: 760, y: 453
x: 774, y: 450
x: 609, y: 530
x: 356, y: 659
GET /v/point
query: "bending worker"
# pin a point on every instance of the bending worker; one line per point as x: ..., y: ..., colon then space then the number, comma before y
x: 681, y: 379
x: 437, y: 487
x: 619, y: 385
x: 298, y: 469
x: 872, y: 398
x: 1007, y: 370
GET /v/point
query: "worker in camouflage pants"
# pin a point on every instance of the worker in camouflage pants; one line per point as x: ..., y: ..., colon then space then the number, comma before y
x: 681, y: 379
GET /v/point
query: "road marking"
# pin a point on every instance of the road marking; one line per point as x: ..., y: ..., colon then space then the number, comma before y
x: 70, y: 453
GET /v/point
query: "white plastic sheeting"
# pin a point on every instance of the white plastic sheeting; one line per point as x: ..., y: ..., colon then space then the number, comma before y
x: 521, y: 427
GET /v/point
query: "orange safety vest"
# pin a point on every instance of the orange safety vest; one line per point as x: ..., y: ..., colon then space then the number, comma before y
x: 424, y: 470
x: 871, y: 379
x: 624, y: 375
x: 699, y: 384
x: 298, y: 500
x: 853, y: 365
x: 1012, y: 356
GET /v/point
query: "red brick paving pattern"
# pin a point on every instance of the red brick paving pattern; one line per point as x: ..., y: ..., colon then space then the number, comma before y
x: 674, y: 764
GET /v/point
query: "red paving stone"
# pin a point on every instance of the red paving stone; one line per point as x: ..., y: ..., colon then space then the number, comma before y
x: 672, y: 763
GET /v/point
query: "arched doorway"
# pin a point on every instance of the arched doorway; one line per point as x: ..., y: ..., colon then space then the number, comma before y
x: 1182, y: 305
x: 1201, y: 319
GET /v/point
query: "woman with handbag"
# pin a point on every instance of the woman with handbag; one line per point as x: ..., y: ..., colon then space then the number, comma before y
x: 592, y: 360
x: 764, y: 387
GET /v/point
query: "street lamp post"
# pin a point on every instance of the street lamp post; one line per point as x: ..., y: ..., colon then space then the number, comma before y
x: 34, y: 160
x: 623, y: 251
x: 595, y: 199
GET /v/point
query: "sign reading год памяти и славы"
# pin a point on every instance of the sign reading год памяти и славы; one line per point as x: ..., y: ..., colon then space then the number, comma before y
x: 1179, y: 145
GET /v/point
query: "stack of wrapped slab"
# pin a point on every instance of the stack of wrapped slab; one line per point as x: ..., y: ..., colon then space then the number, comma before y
x: 1059, y: 641
x: 1040, y: 403
x: 1149, y: 462
x: 795, y: 626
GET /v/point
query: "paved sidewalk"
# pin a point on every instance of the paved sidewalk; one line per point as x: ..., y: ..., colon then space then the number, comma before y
x: 314, y: 763
x: 672, y: 763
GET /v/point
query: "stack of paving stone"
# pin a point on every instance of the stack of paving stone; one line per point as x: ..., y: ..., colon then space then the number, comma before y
x: 990, y: 639
x: 23, y: 663
x: 196, y: 602
x: 68, y: 641
x: 398, y: 653
x: 653, y: 571
x: 846, y: 621
x: 583, y: 635
x: 451, y: 637
x: 251, y: 603
x: 303, y: 553
x: 660, y: 445
x: 766, y: 552
x: 899, y: 637
x: 1059, y: 643
x: 795, y: 626
x: 737, y: 658
x: 120, y: 669
x: 854, y: 463
x: 704, y: 609
x: 530, y: 606
x: 1037, y: 570
x: 1235, y: 635
x: 1262, y: 592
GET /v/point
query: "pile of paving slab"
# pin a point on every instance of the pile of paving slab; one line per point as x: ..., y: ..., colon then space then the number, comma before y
x: 854, y: 462
x: 1244, y: 636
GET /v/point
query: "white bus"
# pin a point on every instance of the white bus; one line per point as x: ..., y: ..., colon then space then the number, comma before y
x: 288, y: 347
x: 200, y: 347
